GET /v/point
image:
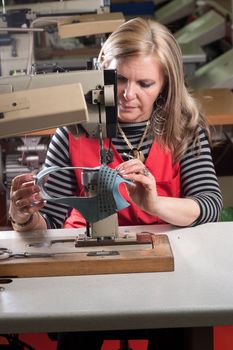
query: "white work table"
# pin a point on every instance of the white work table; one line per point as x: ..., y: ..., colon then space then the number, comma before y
x: 199, y: 293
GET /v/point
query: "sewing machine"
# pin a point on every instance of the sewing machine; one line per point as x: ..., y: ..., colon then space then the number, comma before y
x: 84, y: 99
x: 66, y: 103
x: 94, y: 106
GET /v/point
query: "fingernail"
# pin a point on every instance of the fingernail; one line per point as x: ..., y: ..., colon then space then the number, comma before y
x: 121, y: 171
x: 132, y: 183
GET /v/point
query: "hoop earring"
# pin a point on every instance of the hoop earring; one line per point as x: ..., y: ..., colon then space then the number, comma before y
x: 159, y: 101
x: 159, y: 116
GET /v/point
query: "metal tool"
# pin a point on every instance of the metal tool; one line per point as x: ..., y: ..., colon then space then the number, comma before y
x: 6, y: 253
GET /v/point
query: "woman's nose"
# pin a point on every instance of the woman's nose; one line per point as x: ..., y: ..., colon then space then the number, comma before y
x: 129, y: 91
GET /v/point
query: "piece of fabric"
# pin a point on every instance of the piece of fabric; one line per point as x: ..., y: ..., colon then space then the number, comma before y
x: 107, y: 200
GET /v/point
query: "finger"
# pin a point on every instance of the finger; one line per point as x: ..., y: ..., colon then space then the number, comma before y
x: 24, y: 192
x: 146, y: 172
x: 30, y: 186
x: 25, y: 199
x: 36, y: 206
x: 141, y: 178
x: 137, y: 167
x: 128, y: 164
x: 32, y: 209
x: 23, y: 208
x: 27, y: 184
x: 28, y: 201
x: 137, y: 170
x: 21, y: 179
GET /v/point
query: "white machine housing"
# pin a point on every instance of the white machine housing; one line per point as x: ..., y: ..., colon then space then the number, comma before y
x: 98, y: 87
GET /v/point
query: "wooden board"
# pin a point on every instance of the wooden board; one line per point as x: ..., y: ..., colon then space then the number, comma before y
x: 158, y: 258
x: 217, y: 105
x: 90, y: 24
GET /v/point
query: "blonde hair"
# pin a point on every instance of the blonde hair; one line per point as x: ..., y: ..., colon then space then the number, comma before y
x: 177, y: 112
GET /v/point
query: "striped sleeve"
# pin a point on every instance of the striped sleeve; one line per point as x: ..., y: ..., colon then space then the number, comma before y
x: 199, y: 180
x: 59, y: 184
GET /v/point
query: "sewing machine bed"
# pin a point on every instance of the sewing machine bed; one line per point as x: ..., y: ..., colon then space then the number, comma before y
x: 69, y: 260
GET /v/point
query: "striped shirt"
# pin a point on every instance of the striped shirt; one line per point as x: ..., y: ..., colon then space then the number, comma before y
x: 198, y: 177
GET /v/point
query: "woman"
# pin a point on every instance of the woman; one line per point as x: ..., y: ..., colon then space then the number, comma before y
x: 162, y: 143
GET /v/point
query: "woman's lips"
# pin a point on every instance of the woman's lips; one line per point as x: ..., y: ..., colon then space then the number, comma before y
x: 126, y: 107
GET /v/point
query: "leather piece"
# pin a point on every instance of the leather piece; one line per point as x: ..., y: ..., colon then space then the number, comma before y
x: 107, y: 200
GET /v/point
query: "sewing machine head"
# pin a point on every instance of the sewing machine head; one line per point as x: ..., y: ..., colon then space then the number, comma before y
x: 30, y: 103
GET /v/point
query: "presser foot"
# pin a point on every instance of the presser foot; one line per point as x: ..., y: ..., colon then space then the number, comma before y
x: 139, y: 238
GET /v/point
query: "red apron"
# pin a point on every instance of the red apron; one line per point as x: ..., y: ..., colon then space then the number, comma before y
x: 84, y: 152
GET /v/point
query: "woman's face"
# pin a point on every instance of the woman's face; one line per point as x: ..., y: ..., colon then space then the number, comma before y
x: 140, y: 81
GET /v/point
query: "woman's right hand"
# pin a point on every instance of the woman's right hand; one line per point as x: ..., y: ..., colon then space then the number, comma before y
x: 25, y: 198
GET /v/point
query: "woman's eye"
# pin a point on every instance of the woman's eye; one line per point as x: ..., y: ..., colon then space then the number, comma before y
x: 121, y: 78
x: 145, y: 84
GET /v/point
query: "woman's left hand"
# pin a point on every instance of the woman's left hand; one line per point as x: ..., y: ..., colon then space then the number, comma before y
x: 143, y: 192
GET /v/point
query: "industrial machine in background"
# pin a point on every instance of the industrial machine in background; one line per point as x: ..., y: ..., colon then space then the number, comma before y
x: 204, y: 31
x: 175, y: 10
x: 53, y: 35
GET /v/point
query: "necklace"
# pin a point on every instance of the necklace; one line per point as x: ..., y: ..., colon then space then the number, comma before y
x: 135, y: 151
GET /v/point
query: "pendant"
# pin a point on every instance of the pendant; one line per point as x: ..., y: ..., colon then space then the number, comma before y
x: 138, y: 155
